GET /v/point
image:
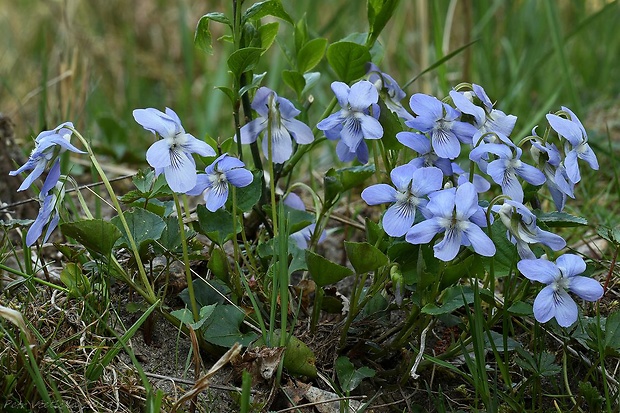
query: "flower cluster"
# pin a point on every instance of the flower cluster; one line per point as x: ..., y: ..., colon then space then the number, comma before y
x: 432, y: 199
x: 49, y: 145
x: 447, y: 197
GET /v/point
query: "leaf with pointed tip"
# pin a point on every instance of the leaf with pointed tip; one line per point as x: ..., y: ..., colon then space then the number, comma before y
x: 364, y: 257
x: 242, y: 60
x: 348, y: 60
x: 379, y: 13
x: 143, y: 225
x: 95, y: 235
x: 323, y: 271
x: 311, y: 54
x: 560, y: 219
x: 267, y: 33
x: 266, y: 8
x: 294, y: 80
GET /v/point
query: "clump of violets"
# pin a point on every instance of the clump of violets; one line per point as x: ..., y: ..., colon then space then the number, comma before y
x: 49, y: 145
x: 452, y: 217
x: 213, y: 184
x: 172, y: 155
x: 355, y: 122
x: 411, y: 186
x: 561, y: 277
x: 277, y: 119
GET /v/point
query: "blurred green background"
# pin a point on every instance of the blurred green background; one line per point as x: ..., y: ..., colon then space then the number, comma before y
x: 93, y: 62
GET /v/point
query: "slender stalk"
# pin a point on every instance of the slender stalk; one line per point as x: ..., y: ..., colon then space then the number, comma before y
x: 188, y: 271
x: 272, y: 181
x: 117, y: 206
x: 236, y: 253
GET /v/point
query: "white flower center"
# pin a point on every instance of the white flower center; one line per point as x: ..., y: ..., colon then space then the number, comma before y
x: 176, y: 142
x: 512, y: 164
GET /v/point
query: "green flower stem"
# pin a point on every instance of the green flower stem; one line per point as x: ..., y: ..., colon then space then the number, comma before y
x: 188, y: 272
x: 247, y: 112
x: 33, y: 278
x: 236, y: 253
x: 375, y: 154
x: 272, y: 181
x: 283, y: 275
x: 132, y: 242
x: 356, y: 305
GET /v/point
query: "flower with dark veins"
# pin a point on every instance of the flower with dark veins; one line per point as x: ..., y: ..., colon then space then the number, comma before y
x: 561, y: 277
x: 172, y: 155
x: 441, y: 122
x: 412, y: 186
x: 280, y: 113
x: 456, y: 213
x: 213, y: 184
x: 354, y: 122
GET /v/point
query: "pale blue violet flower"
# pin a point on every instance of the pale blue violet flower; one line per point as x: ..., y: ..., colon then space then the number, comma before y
x: 389, y: 91
x: 441, y: 122
x: 354, y: 122
x: 281, y: 113
x: 412, y: 187
x: 48, y: 213
x: 48, y: 146
x: 522, y: 229
x: 426, y: 156
x: 560, y: 277
x: 303, y: 236
x: 172, y: 155
x: 548, y: 158
x: 488, y: 121
x: 213, y: 184
x: 505, y: 170
x: 577, y: 143
x: 455, y: 212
